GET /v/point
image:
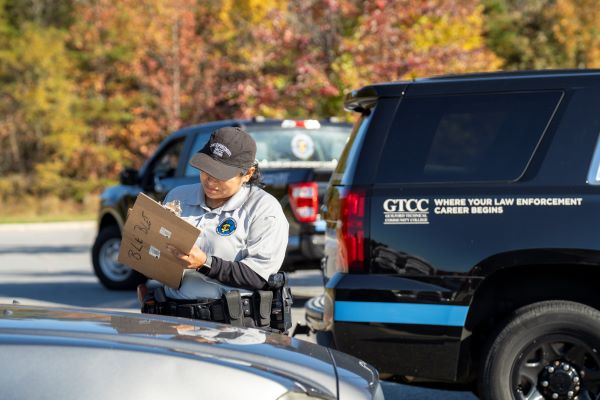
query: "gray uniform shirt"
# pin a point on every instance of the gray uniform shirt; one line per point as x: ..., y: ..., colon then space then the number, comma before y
x: 250, y: 227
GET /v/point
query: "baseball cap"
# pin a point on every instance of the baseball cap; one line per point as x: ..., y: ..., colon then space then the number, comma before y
x: 229, y: 152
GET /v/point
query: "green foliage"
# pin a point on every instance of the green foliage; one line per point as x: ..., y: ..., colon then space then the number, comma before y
x: 577, y: 30
x: 521, y: 33
x: 544, y: 34
x: 45, y: 13
x: 38, y: 99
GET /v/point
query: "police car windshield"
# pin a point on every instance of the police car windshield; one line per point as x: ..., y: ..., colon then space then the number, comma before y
x: 278, y: 147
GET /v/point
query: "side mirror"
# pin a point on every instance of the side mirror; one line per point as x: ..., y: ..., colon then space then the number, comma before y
x: 158, y: 186
x: 129, y: 176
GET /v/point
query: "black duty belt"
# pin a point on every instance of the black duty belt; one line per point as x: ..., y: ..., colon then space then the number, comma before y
x: 265, y: 309
x: 210, y: 311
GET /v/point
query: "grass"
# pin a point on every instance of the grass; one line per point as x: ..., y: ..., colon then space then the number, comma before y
x: 27, y: 219
x: 30, y: 210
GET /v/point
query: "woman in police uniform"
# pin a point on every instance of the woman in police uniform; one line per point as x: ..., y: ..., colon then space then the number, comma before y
x: 244, y: 231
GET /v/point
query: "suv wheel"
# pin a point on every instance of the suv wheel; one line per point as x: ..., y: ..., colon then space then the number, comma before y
x: 111, y: 273
x: 547, y: 350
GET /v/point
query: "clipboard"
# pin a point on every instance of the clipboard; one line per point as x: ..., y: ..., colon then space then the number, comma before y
x: 147, y: 231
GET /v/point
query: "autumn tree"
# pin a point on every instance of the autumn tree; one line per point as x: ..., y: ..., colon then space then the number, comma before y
x: 544, y: 34
x: 521, y: 33
x: 298, y: 58
x: 405, y: 39
x: 142, y: 68
x: 174, y: 65
x: 37, y: 106
x: 577, y: 29
x: 105, y: 45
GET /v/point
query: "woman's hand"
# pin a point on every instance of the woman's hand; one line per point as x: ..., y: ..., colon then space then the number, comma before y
x: 194, y: 260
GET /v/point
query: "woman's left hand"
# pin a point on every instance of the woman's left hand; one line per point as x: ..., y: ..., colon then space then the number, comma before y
x: 194, y: 260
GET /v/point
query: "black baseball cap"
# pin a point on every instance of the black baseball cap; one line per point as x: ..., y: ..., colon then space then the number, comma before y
x: 229, y: 152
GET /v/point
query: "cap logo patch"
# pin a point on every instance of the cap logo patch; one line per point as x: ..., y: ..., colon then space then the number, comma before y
x: 226, y: 227
x: 219, y: 149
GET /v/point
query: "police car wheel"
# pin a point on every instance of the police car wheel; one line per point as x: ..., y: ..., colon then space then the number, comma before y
x: 546, y: 350
x: 112, y: 274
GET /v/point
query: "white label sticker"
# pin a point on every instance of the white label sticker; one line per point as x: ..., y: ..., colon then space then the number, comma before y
x: 154, y: 252
x: 165, y: 232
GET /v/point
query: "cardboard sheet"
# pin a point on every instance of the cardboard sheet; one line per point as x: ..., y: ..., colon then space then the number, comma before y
x: 147, y: 231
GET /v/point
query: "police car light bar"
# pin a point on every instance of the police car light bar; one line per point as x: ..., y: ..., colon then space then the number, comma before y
x: 304, y: 123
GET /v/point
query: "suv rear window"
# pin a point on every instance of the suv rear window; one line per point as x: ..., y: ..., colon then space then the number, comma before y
x: 280, y: 147
x: 462, y: 138
x: 346, y: 167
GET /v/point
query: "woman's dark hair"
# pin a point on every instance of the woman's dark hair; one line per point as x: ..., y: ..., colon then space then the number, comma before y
x: 257, y: 177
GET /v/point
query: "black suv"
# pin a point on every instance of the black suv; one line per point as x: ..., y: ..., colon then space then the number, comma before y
x: 296, y: 158
x: 460, y: 233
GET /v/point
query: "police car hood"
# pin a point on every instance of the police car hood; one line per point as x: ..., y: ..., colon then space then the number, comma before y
x: 316, y: 368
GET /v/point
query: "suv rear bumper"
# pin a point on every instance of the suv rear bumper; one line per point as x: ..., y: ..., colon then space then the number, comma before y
x: 363, y: 315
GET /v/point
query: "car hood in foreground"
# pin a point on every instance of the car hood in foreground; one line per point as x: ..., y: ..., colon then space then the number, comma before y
x: 316, y: 368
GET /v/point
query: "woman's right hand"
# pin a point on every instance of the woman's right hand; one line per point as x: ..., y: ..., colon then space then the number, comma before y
x: 194, y: 260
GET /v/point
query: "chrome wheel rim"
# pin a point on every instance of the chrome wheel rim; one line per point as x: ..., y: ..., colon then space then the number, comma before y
x: 111, y: 268
x: 557, y: 367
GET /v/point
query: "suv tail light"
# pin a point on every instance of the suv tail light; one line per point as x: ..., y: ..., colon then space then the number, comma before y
x: 351, y: 253
x: 304, y: 201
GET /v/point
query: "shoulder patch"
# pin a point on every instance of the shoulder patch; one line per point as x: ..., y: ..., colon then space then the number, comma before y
x: 226, y: 227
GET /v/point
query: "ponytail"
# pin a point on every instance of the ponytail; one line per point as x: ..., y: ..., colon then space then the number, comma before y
x: 257, y: 177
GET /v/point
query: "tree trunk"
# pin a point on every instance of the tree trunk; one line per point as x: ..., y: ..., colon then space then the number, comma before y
x: 176, y: 112
x: 13, y: 143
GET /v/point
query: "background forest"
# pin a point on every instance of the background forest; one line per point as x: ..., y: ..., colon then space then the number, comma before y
x: 90, y: 86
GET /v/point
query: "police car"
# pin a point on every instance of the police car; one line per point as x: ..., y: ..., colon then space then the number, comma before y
x: 296, y: 158
x: 461, y: 239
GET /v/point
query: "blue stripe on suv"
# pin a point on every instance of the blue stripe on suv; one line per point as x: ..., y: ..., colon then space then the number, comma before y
x: 400, y: 313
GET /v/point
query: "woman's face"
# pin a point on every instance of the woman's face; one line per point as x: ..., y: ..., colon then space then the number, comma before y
x: 221, y: 191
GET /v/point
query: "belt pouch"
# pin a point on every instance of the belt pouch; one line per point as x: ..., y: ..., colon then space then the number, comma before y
x: 234, y: 307
x: 217, y: 311
x: 202, y: 311
x: 263, y: 302
x: 288, y: 300
x: 185, y: 310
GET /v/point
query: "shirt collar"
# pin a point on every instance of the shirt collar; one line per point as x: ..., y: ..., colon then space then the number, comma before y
x: 237, y: 199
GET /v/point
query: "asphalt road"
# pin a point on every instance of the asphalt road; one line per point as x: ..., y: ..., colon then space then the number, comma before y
x: 49, y: 264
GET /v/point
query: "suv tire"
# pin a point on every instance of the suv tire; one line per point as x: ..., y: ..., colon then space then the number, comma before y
x: 112, y: 274
x: 545, y: 349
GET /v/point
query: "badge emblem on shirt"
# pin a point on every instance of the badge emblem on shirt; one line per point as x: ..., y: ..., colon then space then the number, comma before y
x: 226, y: 227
